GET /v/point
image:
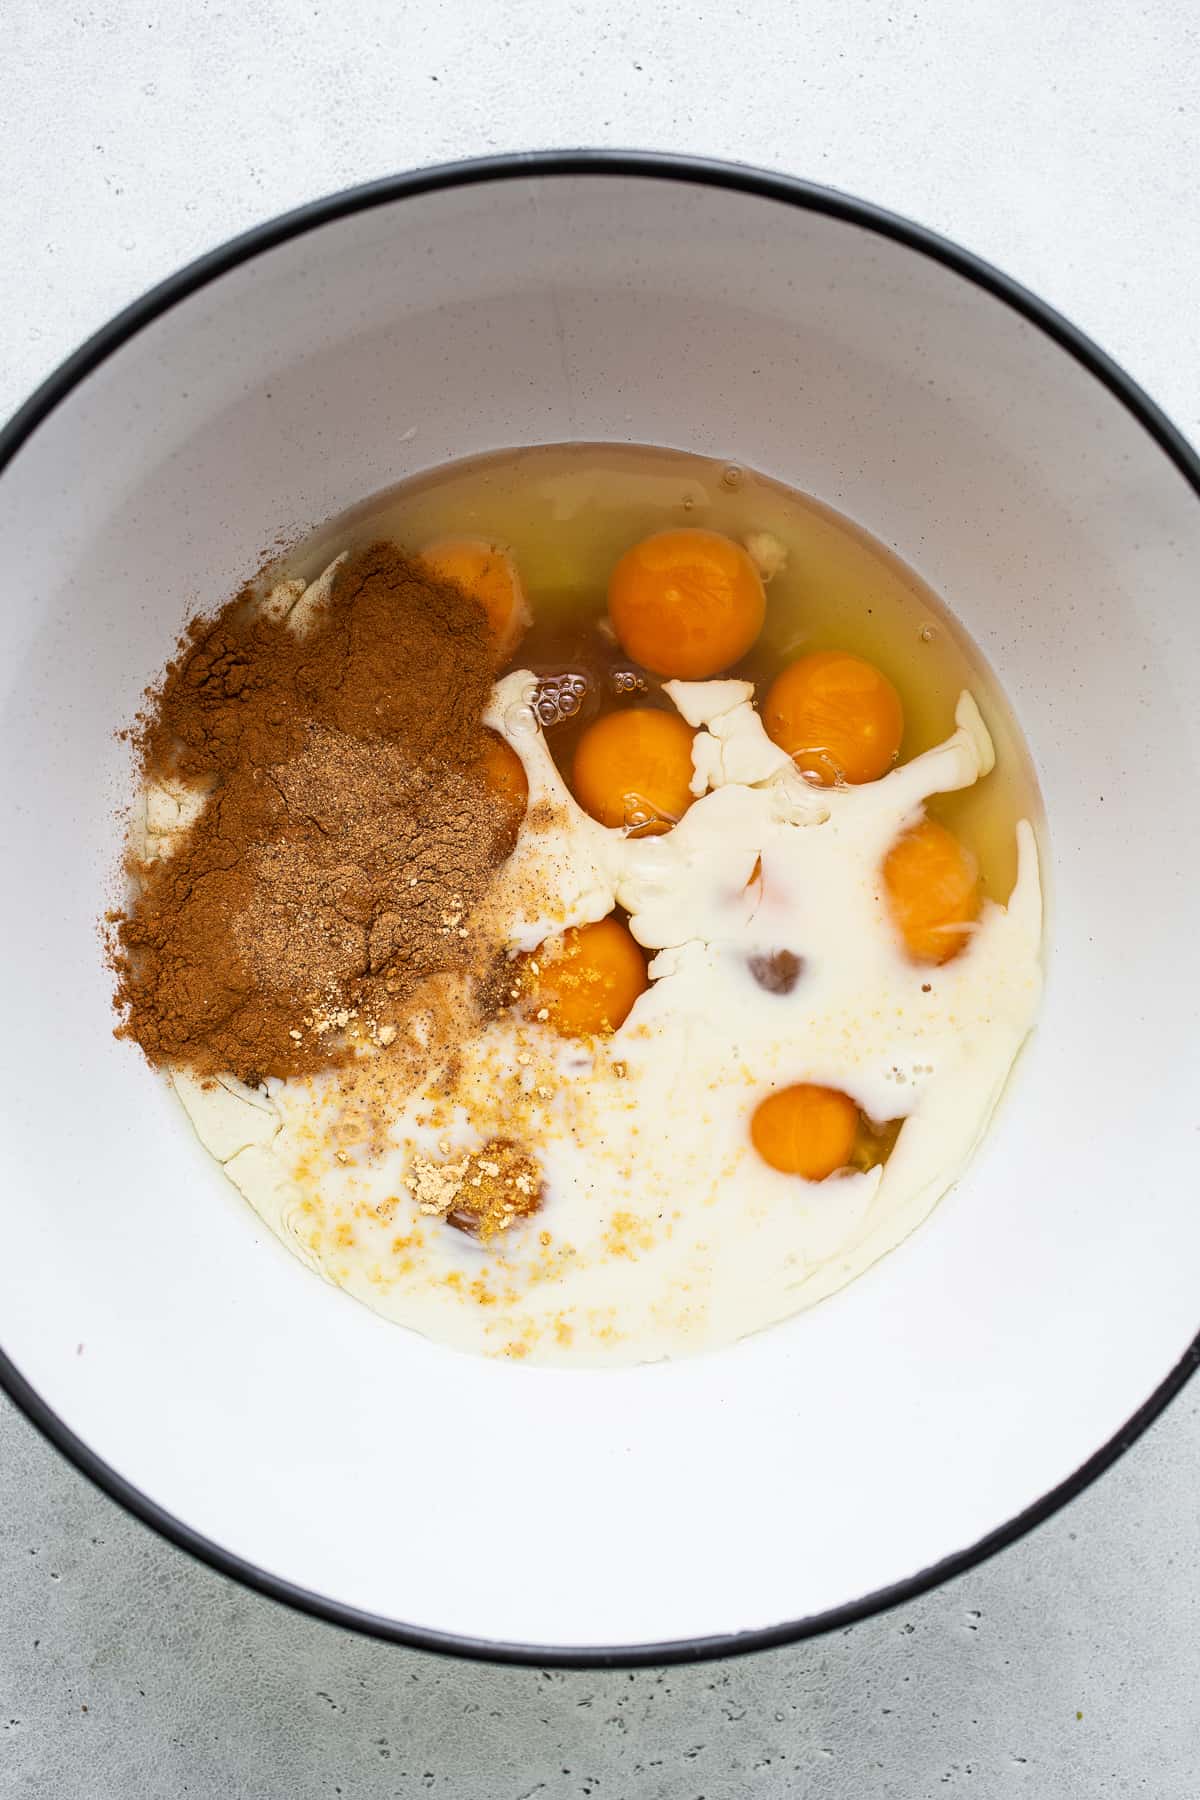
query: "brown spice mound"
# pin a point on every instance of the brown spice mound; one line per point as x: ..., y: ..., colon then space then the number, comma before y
x: 348, y: 834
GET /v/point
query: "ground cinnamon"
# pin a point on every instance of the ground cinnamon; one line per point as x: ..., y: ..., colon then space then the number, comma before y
x: 348, y: 834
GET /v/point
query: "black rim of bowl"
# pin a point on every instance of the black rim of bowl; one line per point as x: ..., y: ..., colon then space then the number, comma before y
x: 701, y: 172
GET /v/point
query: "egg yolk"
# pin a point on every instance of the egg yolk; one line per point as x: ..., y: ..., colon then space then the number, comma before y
x: 504, y: 774
x: 489, y: 574
x: 932, y: 886
x: 587, y: 980
x: 686, y: 603
x: 805, y: 1130
x: 837, y: 716
x: 632, y: 769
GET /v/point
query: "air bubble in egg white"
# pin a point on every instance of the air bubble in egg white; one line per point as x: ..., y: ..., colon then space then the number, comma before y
x: 519, y: 721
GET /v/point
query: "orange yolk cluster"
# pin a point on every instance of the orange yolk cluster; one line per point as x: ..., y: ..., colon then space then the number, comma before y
x: 632, y: 770
x: 489, y: 575
x: 686, y: 603
x: 932, y: 885
x: 587, y: 980
x: 805, y: 1130
x: 837, y: 716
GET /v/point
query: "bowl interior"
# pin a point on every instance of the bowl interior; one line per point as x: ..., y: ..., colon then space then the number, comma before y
x: 961, y: 1379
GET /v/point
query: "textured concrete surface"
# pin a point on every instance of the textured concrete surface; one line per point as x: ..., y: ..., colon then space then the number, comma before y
x: 1069, y: 1667
x: 1061, y: 142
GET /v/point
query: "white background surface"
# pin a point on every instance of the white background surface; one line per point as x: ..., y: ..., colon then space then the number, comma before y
x: 1062, y: 143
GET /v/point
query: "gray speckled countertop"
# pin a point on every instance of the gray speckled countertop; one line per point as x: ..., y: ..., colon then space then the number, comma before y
x: 1061, y: 142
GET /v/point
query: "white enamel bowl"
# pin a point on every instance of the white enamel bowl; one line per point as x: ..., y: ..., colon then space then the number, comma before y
x: 966, y: 1385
